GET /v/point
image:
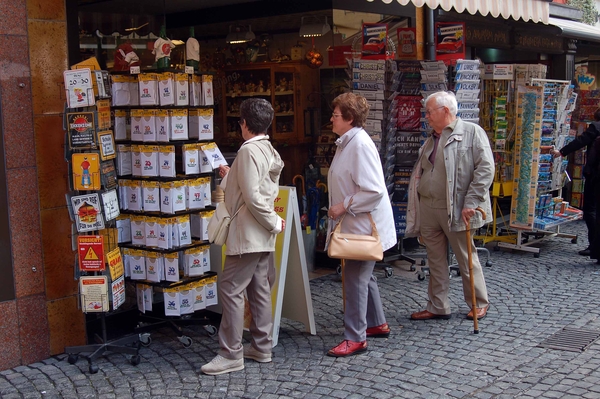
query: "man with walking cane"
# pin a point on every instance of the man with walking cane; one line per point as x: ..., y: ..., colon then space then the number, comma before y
x: 449, y: 183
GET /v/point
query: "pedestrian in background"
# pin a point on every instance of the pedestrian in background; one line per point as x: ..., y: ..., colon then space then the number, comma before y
x: 593, y: 162
x: 586, y: 139
x: 251, y: 186
x: 357, y: 188
x: 450, y: 180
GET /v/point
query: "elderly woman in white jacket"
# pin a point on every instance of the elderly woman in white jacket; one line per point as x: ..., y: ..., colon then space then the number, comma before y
x: 357, y: 188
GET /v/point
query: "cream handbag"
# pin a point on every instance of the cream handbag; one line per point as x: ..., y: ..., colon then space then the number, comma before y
x: 354, y: 246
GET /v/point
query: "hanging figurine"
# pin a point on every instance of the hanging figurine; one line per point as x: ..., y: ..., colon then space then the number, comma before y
x: 192, y: 51
x: 162, y: 50
x: 125, y: 58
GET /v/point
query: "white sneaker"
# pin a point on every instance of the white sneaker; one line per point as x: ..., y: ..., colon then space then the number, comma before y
x: 251, y: 353
x: 221, y: 365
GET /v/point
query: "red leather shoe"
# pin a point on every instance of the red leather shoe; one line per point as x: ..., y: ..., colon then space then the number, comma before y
x: 382, y: 331
x: 481, y: 313
x: 427, y: 315
x: 348, y: 348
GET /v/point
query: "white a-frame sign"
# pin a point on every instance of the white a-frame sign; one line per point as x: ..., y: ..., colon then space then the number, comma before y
x: 290, y: 296
x: 291, y: 293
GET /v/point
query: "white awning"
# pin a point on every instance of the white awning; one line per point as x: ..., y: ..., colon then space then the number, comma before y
x: 528, y: 10
x: 576, y: 30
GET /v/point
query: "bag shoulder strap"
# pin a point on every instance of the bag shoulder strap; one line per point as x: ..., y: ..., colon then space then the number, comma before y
x: 374, y: 232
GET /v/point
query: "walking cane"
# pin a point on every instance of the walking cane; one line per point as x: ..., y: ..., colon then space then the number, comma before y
x: 470, y: 259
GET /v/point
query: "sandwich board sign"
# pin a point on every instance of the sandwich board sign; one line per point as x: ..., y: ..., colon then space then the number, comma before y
x: 290, y: 294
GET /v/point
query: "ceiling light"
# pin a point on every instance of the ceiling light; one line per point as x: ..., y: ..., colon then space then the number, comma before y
x: 239, y: 34
x: 314, y: 26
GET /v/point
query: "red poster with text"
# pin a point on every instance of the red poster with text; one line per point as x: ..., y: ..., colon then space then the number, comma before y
x: 449, y: 41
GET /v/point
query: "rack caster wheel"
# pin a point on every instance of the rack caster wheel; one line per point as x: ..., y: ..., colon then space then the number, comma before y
x: 72, y: 359
x: 338, y: 270
x: 412, y: 267
x: 496, y: 248
x: 210, y: 330
x: 389, y: 272
x: 135, y: 360
x: 145, y: 339
x: 488, y: 263
x: 536, y: 255
x: 185, y: 341
x: 93, y: 369
x: 423, y: 262
x: 421, y: 276
x: 574, y: 240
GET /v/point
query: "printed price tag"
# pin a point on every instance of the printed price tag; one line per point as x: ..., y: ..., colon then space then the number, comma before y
x: 134, y: 70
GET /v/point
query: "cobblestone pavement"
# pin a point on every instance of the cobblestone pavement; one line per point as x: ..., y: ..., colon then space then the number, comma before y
x: 532, y: 298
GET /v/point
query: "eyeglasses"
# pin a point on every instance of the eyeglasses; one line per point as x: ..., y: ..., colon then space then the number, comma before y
x: 335, y: 115
x: 429, y: 111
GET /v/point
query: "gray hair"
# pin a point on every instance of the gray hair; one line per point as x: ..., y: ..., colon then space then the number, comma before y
x: 444, y: 99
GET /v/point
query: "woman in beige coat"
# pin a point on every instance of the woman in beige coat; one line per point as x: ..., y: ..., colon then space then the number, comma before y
x: 251, y: 186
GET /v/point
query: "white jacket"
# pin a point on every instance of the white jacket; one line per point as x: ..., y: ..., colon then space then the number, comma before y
x: 356, y: 179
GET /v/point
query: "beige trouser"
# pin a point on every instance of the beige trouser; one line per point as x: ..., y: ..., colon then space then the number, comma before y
x: 254, y: 273
x: 436, y: 236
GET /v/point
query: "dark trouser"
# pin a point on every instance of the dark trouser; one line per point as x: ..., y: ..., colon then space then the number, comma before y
x: 595, y: 245
x: 589, y: 209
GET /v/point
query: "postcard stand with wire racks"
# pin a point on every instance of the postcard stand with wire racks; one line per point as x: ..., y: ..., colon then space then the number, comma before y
x: 93, y: 208
x: 165, y: 161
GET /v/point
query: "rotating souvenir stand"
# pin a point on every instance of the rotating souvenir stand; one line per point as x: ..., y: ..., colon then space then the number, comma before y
x: 542, y: 111
x: 93, y: 206
x: 165, y: 161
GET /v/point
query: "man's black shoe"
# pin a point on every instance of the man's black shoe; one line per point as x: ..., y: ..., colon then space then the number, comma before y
x: 585, y: 252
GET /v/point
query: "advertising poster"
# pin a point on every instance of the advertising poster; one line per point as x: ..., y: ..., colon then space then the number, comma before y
x: 87, y: 212
x: 374, y: 43
x: 94, y: 293
x: 407, y: 43
x: 449, y: 41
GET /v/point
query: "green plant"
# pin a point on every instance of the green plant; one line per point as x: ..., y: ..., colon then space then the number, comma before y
x: 588, y: 7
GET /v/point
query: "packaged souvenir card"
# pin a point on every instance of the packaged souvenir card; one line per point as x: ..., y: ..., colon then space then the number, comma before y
x: 166, y: 88
x: 149, y: 158
x: 172, y: 301
x: 163, y: 231
x: 199, y: 294
x: 137, y: 265
x: 185, y: 234
x: 134, y: 195
x: 154, y: 265
x: 211, y: 291
x: 182, y: 89
x: 207, y: 90
x: 123, y: 228
x: 124, y: 162
x: 163, y: 126
x: 138, y: 230
x: 196, y: 91
x: 166, y: 161
x: 134, y: 89
x: 193, y: 262
x: 214, y: 155
x: 186, y: 301
x: 120, y: 90
x: 179, y: 124
x: 136, y: 160
x: 151, y: 231
x: 137, y: 132
x: 190, y: 159
x: 148, y: 125
x: 122, y: 125
x: 195, y: 194
x: 166, y: 197
x: 171, y: 266
x: 148, y: 87
x: 179, y: 196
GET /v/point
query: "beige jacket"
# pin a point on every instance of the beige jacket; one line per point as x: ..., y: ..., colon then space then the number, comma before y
x: 252, y: 186
x: 470, y: 170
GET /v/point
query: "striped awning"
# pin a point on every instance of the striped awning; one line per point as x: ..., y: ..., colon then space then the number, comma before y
x: 528, y: 10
